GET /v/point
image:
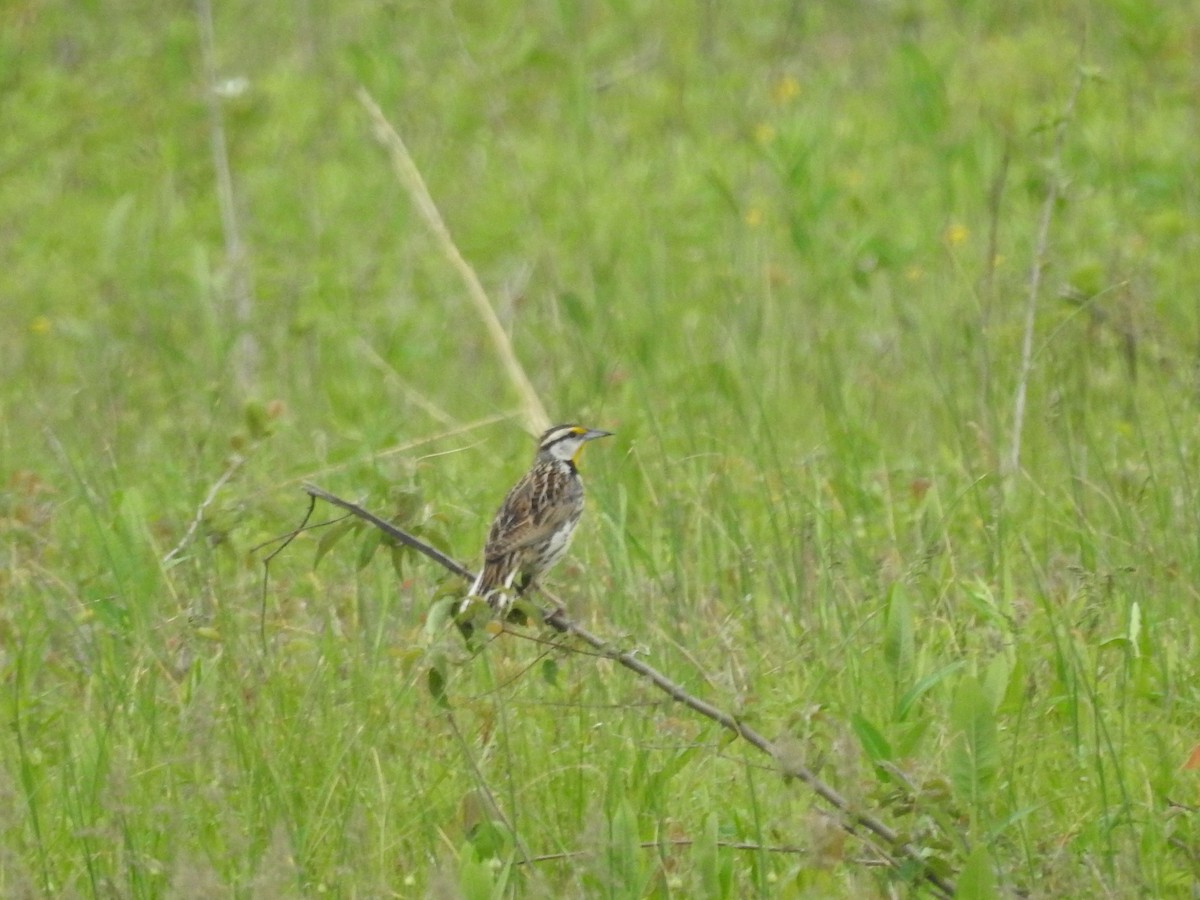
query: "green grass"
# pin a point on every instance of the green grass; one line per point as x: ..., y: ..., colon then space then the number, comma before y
x: 784, y: 254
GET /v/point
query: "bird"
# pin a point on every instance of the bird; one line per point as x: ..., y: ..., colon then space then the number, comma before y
x: 534, y: 525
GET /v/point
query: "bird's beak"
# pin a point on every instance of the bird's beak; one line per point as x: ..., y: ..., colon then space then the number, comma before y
x: 594, y: 433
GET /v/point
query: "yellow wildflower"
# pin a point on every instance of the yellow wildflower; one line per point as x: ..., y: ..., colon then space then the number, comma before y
x: 785, y: 89
x: 955, y: 234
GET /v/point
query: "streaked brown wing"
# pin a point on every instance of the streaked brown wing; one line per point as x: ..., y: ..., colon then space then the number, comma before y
x: 529, y: 514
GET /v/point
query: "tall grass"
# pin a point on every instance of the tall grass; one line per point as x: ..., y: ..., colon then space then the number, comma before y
x: 783, y: 254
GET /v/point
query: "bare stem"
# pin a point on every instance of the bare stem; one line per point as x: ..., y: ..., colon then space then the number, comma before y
x: 1054, y: 188
x: 245, y: 365
x: 393, y: 532
x: 234, y: 465
x: 410, y: 176
x: 857, y: 822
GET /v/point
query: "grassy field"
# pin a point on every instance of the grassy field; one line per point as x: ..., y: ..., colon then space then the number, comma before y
x: 784, y: 251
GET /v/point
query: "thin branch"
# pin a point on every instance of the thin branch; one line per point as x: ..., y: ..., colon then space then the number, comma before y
x: 686, y: 842
x: 236, y: 258
x: 852, y: 819
x: 405, y: 447
x: 288, y: 538
x: 493, y: 806
x: 857, y: 822
x: 406, y: 170
x: 233, y: 466
x: 414, y: 396
x: 392, y: 531
x: 1053, y: 192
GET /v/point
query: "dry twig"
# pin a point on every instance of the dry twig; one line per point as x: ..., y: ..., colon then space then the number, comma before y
x: 234, y: 465
x: 881, y: 837
x: 1054, y: 189
x: 406, y: 170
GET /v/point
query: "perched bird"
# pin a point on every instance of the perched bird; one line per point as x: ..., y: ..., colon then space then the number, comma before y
x: 533, y: 528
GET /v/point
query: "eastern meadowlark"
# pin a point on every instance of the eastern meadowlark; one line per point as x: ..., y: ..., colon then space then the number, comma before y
x: 533, y: 528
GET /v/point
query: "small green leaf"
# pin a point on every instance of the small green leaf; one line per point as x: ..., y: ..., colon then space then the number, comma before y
x: 440, y: 612
x: 1014, y: 695
x: 448, y: 586
x: 436, y: 681
x: 975, y: 753
x: 675, y: 764
x: 523, y: 611
x: 907, y: 736
x: 995, y: 681
x: 922, y: 99
x: 977, y: 878
x: 982, y: 599
x: 406, y: 503
x: 490, y: 839
x: 1086, y: 280
x: 550, y: 671
x: 366, y: 550
x: 475, y: 878
x: 872, y: 740
x: 258, y: 421
x: 398, y: 552
x: 433, y: 532
x: 905, y: 703
x: 473, y: 616
x: 331, y: 536
x: 899, y: 643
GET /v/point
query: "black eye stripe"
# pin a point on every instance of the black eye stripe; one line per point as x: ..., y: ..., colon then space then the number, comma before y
x: 559, y: 434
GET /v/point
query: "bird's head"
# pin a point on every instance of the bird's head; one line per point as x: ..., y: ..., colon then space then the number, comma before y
x: 566, y: 442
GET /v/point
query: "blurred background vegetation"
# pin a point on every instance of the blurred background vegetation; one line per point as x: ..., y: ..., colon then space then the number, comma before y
x: 784, y: 251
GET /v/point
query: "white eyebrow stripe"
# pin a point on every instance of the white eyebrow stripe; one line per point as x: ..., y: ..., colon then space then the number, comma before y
x: 557, y: 435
